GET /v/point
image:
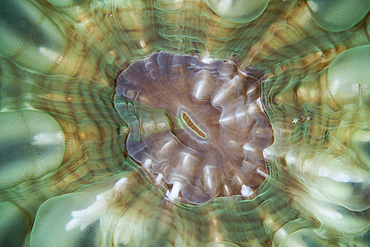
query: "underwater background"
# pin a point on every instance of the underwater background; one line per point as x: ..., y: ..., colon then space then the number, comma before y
x: 84, y: 159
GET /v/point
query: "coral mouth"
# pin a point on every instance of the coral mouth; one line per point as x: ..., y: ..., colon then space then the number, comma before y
x: 197, y: 128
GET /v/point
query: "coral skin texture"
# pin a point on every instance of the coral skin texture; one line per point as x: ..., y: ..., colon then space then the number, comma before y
x: 184, y: 123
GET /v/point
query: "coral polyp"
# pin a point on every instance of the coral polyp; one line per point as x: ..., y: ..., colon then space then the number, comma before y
x: 218, y: 158
x: 184, y: 123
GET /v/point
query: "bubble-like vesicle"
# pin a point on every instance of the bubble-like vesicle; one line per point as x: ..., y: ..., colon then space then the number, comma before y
x: 47, y: 233
x: 32, y: 145
x: 14, y: 225
x: 37, y: 49
x: 361, y: 145
x: 238, y: 11
x: 349, y: 76
x: 337, y: 16
x: 332, y: 178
